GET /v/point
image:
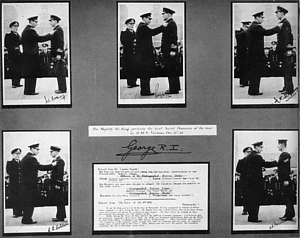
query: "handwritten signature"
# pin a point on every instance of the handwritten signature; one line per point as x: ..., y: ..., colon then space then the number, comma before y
x: 276, y: 224
x: 142, y: 150
x: 159, y: 95
x: 55, y: 98
x: 286, y: 97
x: 57, y: 227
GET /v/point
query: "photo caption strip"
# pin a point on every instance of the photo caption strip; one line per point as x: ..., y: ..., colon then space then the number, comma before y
x: 153, y: 130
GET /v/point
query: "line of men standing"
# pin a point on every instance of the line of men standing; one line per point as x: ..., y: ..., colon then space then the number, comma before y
x: 250, y: 51
x: 29, y: 60
x: 250, y: 169
x: 138, y: 52
x: 23, y: 176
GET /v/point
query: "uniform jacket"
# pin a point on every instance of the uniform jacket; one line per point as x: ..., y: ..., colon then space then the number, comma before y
x: 241, y: 169
x: 275, y: 185
x: 57, y: 41
x: 128, y: 40
x: 11, y: 41
x: 29, y: 170
x: 60, y: 68
x: 144, y: 47
x: 58, y: 172
x: 30, y: 39
x: 13, y: 169
x: 284, y: 37
x: 284, y: 167
x: 169, y: 37
x: 241, y: 43
x: 253, y: 169
x: 255, y: 42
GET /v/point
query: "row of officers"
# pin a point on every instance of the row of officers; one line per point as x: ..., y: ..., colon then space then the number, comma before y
x: 252, y: 183
x: 139, y: 56
x: 251, y: 55
x: 23, y: 182
x: 27, y: 63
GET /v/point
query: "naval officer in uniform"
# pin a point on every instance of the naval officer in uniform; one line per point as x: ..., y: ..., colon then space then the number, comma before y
x: 284, y: 170
x: 57, y: 183
x: 29, y: 40
x: 169, y: 50
x: 29, y: 181
x: 241, y: 53
x: 128, y: 40
x: 12, y: 42
x: 254, y: 187
x: 13, y: 169
x: 256, y: 54
x: 57, y: 45
x: 144, y: 51
x: 284, y: 50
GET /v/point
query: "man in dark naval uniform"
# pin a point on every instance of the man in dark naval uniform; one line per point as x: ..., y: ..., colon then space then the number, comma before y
x: 169, y: 50
x: 12, y: 42
x: 57, y: 183
x: 254, y: 184
x: 57, y: 45
x: 13, y: 169
x: 57, y: 40
x: 128, y: 40
x: 241, y: 53
x: 256, y: 54
x: 144, y: 51
x: 240, y: 169
x: 284, y: 50
x: 30, y: 40
x: 284, y: 169
x: 29, y: 181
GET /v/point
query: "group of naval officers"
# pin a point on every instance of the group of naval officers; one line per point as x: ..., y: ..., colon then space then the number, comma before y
x: 251, y: 56
x: 23, y: 182
x: 27, y: 63
x: 138, y: 52
x: 250, y: 169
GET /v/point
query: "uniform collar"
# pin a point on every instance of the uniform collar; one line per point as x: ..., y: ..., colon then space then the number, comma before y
x: 56, y: 27
x: 282, y: 20
x: 171, y: 19
x: 56, y: 158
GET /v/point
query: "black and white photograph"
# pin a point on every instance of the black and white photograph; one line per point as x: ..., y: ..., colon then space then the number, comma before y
x: 265, y: 181
x: 35, y: 54
x: 151, y: 54
x: 36, y: 183
x: 264, y: 54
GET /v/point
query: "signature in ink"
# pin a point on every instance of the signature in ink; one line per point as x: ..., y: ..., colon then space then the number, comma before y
x: 57, y: 227
x: 142, y: 151
x: 159, y: 95
x: 286, y: 97
x: 276, y: 224
x: 55, y: 98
